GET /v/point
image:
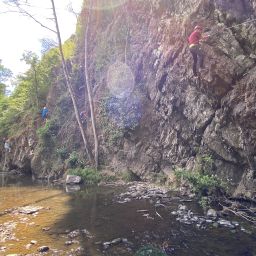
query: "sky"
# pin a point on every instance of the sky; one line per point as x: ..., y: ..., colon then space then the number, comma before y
x: 20, y: 33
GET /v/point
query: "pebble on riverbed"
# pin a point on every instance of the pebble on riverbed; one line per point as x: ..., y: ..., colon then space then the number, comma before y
x: 43, y: 248
x: 78, y: 232
x: 141, y: 191
x: 29, y: 209
x: 116, y: 241
x: 71, y: 242
x: 188, y: 217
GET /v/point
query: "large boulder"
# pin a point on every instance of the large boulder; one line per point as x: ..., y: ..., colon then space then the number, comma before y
x: 73, y: 179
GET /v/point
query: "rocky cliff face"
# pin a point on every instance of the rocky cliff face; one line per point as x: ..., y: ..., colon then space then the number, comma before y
x: 152, y: 115
x: 183, y: 118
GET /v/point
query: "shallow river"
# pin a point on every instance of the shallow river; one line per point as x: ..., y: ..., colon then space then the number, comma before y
x: 94, y: 210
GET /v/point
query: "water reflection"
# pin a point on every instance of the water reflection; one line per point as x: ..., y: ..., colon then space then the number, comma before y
x: 8, y: 180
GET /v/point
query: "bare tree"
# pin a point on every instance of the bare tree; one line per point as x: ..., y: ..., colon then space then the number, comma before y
x: 65, y: 70
x: 89, y: 90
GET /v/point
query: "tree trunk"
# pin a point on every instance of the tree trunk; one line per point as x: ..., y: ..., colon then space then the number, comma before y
x: 89, y: 91
x: 36, y: 87
x: 86, y: 144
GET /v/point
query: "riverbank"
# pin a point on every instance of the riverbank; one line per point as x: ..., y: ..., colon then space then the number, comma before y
x: 39, y: 219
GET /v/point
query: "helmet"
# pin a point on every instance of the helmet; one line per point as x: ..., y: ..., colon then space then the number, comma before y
x: 198, y: 27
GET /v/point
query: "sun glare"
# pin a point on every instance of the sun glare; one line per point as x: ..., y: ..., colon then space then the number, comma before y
x: 105, y: 4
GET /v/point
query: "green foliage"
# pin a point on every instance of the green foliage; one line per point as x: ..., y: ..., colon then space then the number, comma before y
x: 89, y: 175
x: 203, y: 184
x: 204, y: 202
x: 205, y: 163
x: 62, y: 153
x: 149, y: 250
x: 128, y: 176
x: 159, y: 178
x: 2, y: 89
x: 48, y: 132
x: 69, y: 47
x: 74, y: 160
x: 64, y: 105
x: 109, y: 178
x: 112, y: 133
x: 30, y: 92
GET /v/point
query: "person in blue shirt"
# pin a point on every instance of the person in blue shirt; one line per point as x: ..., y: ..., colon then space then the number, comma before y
x: 44, y: 113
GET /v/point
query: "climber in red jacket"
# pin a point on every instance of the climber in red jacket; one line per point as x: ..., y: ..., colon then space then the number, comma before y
x: 194, y: 47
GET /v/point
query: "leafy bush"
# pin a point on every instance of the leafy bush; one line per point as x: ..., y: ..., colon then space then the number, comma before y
x: 48, y: 131
x: 159, y: 178
x: 206, y: 163
x: 89, y: 175
x: 203, y: 184
x: 129, y: 176
x: 204, y: 202
x: 74, y: 161
x: 63, y: 153
x: 109, y: 178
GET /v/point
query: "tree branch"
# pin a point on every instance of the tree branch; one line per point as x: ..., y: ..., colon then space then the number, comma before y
x: 24, y: 12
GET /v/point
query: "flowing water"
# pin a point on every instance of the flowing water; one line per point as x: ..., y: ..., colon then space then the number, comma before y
x: 93, y: 209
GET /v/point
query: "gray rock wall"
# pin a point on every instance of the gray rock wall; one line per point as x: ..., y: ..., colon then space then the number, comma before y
x: 184, y: 118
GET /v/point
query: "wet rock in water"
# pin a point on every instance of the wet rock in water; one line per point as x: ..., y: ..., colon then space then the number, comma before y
x: 211, y: 213
x: 43, y: 248
x: 33, y: 242
x: 226, y: 223
x: 29, y: 209
x: 182, y: 207
x: 141, y: 191
x: 116, y: 241
x: 246, y: 231
x: 125, y: 240
x: 74, y: 233
x: 215, y: 224
x: 73, y: 179
x: 106, y: 245
x: 7, y: 231
x: 28, y: 246
x: 125, y: 200
x: 2, y: 248
x: 235, y: 223
x: 68, y: 242
x: 142, y: 210
x: 79, y: 250
x: 46, y: 229
x: 86, y: 233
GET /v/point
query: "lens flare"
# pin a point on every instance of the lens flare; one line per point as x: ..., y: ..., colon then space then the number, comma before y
x: 104, y: 4
x: 125, y: 114
x: 120, y: 80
